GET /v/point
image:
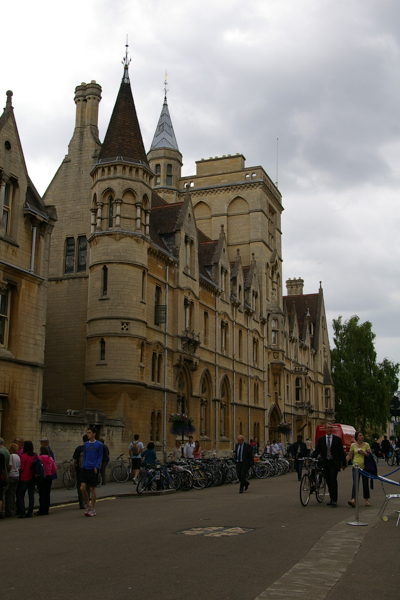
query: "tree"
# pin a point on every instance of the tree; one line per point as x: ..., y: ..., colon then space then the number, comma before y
x: 363, y: 387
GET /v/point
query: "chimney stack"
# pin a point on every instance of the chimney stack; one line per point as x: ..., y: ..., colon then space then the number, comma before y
x: 295, y: 286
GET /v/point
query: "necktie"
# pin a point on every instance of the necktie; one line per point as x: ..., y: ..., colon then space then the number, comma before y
x: 240, y: 452
x: 328, y: 448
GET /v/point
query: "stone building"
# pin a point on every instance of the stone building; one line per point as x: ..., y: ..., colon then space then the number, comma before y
x: 166, y: 292
x: 25, y: 229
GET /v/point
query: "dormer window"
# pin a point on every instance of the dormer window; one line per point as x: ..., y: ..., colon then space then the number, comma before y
x: 7, y: 207
x: 188, y: 254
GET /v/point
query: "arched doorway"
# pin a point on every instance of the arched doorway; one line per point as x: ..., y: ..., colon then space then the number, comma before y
x: 274, y: 420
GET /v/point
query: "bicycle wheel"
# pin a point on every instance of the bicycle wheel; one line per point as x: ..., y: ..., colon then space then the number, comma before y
x: 261, y: 471
x: 199, y: 479
x: 99, y: 480
x: 69, y: 479
x: 186, y: 481
x: 305, y: 486
x: 391, y: 460
x: 120, y: 473
x: 320, y: 487
x: 142, y: 484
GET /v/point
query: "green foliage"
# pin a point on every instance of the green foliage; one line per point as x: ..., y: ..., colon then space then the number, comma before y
x: 363, y: 387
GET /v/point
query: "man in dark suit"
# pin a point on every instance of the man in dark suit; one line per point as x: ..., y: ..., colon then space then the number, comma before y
x: 330, y: 449
x: 244, y: 459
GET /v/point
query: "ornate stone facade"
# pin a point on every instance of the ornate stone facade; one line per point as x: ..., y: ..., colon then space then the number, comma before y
x: 166, y: 292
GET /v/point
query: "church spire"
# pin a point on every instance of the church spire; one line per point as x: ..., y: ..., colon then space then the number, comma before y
x: 164, y: 136
x: 123, y: 138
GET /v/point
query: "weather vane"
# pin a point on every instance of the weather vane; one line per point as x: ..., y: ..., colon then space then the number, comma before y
x: 165, y: 85
x: 126, y: 61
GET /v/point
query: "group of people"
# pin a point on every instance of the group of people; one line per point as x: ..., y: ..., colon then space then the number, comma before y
x: 191, y: 449
x: 18, y: 467
x: 275, y: 448
x: 330, y: 450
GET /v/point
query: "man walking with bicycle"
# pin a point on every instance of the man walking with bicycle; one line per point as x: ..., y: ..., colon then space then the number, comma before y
x: 92, y: 457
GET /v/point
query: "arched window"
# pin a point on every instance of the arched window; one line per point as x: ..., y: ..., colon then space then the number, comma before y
x: 327, y: 398
x: 256, y: 393
x: 102, y: 349
x: 240, y: 390
x: 153, y: 366
x: 104, y: 286
x: 82, y: 252
x: 299, y: 389
x: 110, y: 211
x: 69, y: 255
x: 158, y: 174
x: 7, y: 207
x: 255, y: 350
x: 169, y: 174
x: 240, y: 428
x: 159, y: 367
x: 143, y: 284
x: 240, y: 345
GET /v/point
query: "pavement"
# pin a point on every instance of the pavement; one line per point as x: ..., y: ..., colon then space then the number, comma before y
x: 213, y: 544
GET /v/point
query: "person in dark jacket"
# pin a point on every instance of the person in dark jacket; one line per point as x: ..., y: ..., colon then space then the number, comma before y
x: 105, y: 461
x: 330, y: 449
x: 244, y: 460
x: 299, y: 451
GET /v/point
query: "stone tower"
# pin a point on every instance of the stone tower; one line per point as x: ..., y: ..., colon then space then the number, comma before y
x: 164, y: 157
x: 120, y: 220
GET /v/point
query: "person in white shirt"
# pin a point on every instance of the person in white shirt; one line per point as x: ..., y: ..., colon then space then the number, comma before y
x: 189, y: 447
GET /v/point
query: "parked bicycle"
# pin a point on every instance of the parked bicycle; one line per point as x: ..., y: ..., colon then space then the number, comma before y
x: 123, y: 471
x: 313, y: 481
x: 69, y: 475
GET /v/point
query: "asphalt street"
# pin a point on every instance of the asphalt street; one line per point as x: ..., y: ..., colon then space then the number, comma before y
x: 211, y: 544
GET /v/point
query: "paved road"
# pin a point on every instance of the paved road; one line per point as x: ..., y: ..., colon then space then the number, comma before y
x: 135, y: 548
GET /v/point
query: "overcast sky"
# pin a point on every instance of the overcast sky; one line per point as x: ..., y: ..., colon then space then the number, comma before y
x: 320, y: 75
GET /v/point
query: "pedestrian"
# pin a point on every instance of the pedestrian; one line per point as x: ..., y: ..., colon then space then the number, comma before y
x: 78, y: 460
x: 44, y: 487
x: 375, y: 447
x: 358, y: 451
x: 20, y: 441
x: 330, y: 449
x: 26, y: 483
x: 280, y: 447
x: 45, y: 443
x: 104, y: 462
x: 267, y: 449
x: 13, y: 479
x: 177, y: 451
x: 385, y: 447
x: 149, y: 455
x: 274, y: 449
x: 197, y: 450
x: 92, y: 457
x: 189, y: 447
x: 244, y: 460
x: 5, y: 452
x: 309, y: 446
x: 299, y: 452
x: 3, y: 479
x: 136, y: 450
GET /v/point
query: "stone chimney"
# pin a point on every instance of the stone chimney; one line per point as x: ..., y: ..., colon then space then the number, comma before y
x: 294, y: 287
x: 87, y: 98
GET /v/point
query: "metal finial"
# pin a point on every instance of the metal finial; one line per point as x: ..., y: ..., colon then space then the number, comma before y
x: 165, y: 85
x: 126, y: 62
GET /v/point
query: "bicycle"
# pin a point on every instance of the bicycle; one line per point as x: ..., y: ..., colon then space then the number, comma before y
x: 122, y: 472
x: 312, y: 481
x: 69, y: 475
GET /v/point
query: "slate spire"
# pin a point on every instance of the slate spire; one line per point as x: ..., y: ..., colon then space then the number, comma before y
x: 164, y: 136
x: 123, y: 138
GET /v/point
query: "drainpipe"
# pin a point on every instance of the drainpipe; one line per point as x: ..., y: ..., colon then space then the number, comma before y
x: 33, y: 248
x: 234, y: 375
x: 165, y: 367
x: 265, y: 385
x: 248, y: 374
x: 216, y: 374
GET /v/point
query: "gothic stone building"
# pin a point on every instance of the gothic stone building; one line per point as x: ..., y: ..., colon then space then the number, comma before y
x: 25, y: 230
x: 166, y: 291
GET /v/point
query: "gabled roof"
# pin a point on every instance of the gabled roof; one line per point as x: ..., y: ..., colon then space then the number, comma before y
x: 164, y: 136
x: 123, y: 138
x: 207, y: 251
x: 165, y: 217
x: 303, y: 304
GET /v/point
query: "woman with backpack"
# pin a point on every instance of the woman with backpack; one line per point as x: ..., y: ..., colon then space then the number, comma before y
x: 44, y: 487
x: 27, y: 482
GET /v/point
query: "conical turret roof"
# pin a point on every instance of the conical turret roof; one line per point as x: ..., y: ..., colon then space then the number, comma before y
x: 164, y: 136
x: 123, y: 138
